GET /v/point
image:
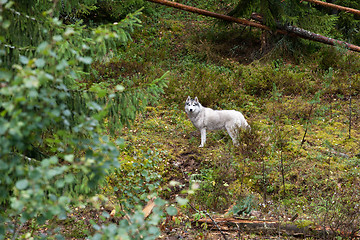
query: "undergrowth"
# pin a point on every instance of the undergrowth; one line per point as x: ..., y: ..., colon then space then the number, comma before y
x: 298, y: 160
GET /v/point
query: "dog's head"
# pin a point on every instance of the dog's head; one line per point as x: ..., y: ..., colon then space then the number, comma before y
x: 192, y: 105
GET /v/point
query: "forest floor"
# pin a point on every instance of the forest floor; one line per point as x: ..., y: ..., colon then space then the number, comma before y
x: 298, y: 166
x: 327, y: 155
x: 324, y: 170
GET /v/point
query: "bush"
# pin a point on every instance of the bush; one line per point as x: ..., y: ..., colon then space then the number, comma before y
x: 53, y: 152
x: 288, y: 79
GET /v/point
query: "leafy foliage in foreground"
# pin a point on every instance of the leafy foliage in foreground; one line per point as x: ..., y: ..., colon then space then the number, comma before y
x: 54, y: 153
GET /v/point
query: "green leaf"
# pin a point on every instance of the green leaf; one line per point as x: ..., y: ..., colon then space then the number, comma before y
x: 69, y: 178
x: 57, y: 38
x: 182, y: 201
x: 119, y: 88
x: 69, y: 158
x: 172, y: 211
x: 4, y: 127
x: 24, y: 60
x: 43, y: 46
x: 69, y: 31
x: 60, y: 183
x: 105, y: 214
x: 6, y: 24
x: 154, y: 230
x: 17, y: 204
x: 120, y: 142
x: 40, y: 62
x: 63, y: 64
x: 22, y: 184
x: 8, y: 3
x: 6, y: 75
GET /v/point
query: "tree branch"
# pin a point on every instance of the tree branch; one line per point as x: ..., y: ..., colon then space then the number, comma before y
x: 210, y: 14
x: 287, y: 30
x: 334, y: 6
x: 302, y: 33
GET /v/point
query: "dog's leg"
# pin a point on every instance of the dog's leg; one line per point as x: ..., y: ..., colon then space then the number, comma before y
x: 233, y: 133
x: 203, y: 137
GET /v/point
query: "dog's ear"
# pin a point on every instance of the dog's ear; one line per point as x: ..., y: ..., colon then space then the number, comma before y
x: 188, y: 99
x: 196, y: 99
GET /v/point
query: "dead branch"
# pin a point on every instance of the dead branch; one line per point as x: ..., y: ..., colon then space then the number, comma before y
x: 288, y: 30
x: 266, y: 227
x: 334, y: 6
x: 302, y: 33
x: 213, y: 221
x: 210, y: 14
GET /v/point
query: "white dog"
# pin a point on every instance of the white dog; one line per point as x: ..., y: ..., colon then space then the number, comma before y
x: 208, y: 119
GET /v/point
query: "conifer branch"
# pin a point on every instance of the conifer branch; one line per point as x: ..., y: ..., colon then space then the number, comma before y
x: 21, y: 14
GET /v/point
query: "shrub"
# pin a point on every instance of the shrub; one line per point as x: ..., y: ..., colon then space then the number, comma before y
x: 43, y: 111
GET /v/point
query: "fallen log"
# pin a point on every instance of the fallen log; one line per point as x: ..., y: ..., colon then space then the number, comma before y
x: 256, y: 226
x: 210, y: 14
x: 334, y: 6
x: 290, y: 30
x: 309, y: 35
x: 266, y: 227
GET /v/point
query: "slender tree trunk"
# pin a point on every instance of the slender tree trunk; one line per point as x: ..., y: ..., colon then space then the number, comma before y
x: 334, y: 6
x: 350, y: 110
x: 282, y: 170
x: 307, y: 125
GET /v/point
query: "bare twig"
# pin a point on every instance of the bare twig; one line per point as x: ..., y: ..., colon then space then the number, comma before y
x: 282, y: 169
x: 17, y: 229
x: 264, y: 178
x: 303, y: 139
x: 215, y: 223
x: 217, y: 226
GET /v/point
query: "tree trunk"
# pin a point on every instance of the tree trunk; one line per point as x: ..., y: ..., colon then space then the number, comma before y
x: 334, y: 6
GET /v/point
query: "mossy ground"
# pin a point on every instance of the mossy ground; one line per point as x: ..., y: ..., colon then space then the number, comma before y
x: 228, y: 174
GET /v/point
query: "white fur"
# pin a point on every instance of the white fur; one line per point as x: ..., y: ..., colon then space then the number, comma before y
x: 208, y: 119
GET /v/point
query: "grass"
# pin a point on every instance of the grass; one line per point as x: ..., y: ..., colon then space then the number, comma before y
x: 323, y: 162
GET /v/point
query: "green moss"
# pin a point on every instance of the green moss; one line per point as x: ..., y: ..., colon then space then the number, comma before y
x: 305, y: 224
